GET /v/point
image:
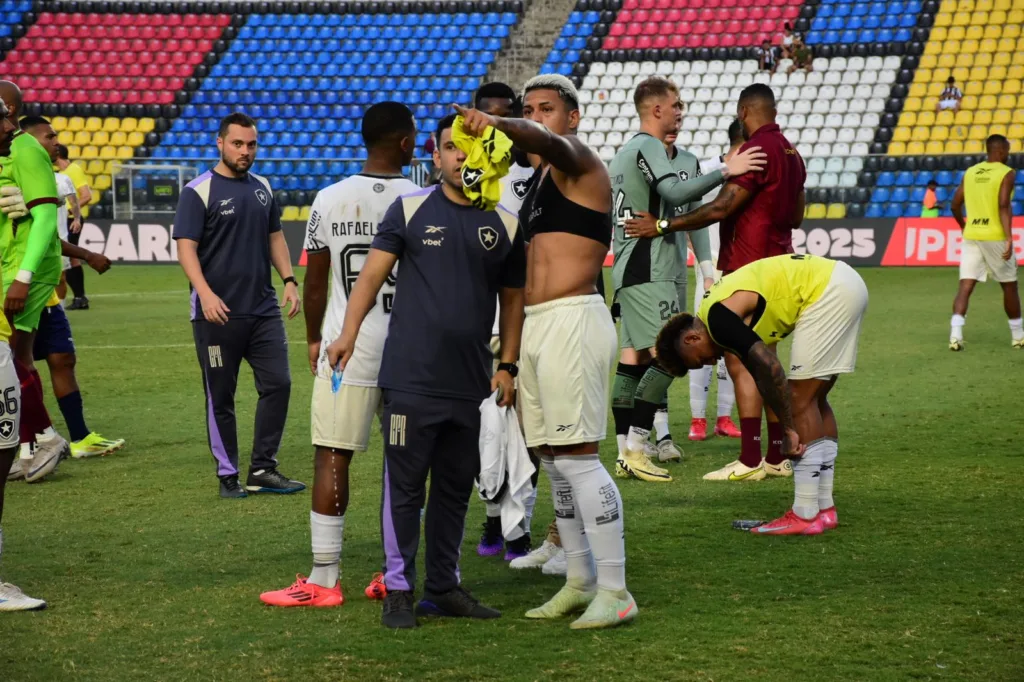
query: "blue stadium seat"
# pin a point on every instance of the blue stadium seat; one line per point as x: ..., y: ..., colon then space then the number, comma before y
x: 917, y: 195
x: 893, y: 211
x: 900, y: 195
x: 904, y: 178
x: 880, y: 195
x: 886, y: 179
x: 874, y: 211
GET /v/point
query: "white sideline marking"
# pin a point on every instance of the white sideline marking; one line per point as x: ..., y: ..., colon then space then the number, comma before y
x: 139, y: 346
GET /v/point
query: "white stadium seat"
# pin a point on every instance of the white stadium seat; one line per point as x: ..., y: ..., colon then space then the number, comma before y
x: 614, y: 69
x: 681, y: 68
x: 815, y: 78
x: 665, y: 68
x: 714, y: 108
x: 716, y: 66
x: 727, y: 80
x: 809, y: 136
x: 624, y: 82
x: 733, y: 66
x: 783, y: 121
x: 802, y: 106
x: 798, y: 121
x: 821, y: 64
x: 853, y: 164
x: 613, y: 139
x: 622, y: 124
x: 607, y: 82
x: 804, y: 150
x: 797, y: 78
x: 591, y: 82
x: 846, y: 179
x: 837, y: 64
x: 784, y: 107
x: 815, y: 121
x: 822, y: 149
x: 859, y: 149
x: 707, y: 123
x: 603, y: 124
x: 744, y: 79
x: 627, y: 109
x: 724, y: 121
x: 631, y: 68
x: 762, y: 77
x: 586, y: 125
x: 834, y: 165
x: 791, y: 92
x: 721, y: 95
x: 864, y: 134
x: 812, y: 178
x: 697, y: 150
x: 855, y: 63
x: 840, y: 105
x: 598, y: 68
x: 827, y: 135
x: 829, y: 180
x: 847, y: 135
x: 815, y: 165
x: 699, y: 67
x: 618, y: 95
x: 691, y: 80
x: 690, y: 122
x: 821, y: 106
x: 596, y: 139
x: 685, y: 138
x: 833, y: 121
x: 720, y: 137
x: 750, y: 66
x: 701, y: 137
x: 606, y: 154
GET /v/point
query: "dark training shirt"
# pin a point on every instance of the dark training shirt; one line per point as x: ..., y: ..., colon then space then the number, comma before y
x: 453, y: 260
x: 232, y: 220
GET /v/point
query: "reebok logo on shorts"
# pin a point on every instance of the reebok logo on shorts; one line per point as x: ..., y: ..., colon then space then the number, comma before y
x: 563, y: 427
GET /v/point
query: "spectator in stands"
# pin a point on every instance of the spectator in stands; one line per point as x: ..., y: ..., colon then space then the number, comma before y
x: 950, y: 97
x: 801, y: 55
x: 787, y: 41
x: 930, y: 204
x: 75, y: 276
x: 768, y: 59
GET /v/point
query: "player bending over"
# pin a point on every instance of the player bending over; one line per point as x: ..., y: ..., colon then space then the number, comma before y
x: 987, y: 188
x: 820, y: 302
x: 341, y: 227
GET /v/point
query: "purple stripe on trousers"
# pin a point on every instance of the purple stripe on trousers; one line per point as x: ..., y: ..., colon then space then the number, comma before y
x: 195, y: 303
x: 220, y: 453
x: 394, y: 564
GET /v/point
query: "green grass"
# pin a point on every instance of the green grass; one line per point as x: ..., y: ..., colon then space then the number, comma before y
x: 150, y: 576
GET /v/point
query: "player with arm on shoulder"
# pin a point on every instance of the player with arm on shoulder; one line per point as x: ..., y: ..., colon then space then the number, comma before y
x: 758, y: 213
x: 987, y: 189
x: 647, y: 272
x: 342, y: 224
x: 821, y: 303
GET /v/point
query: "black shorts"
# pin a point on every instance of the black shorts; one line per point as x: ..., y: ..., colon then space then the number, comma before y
x: 54, y: 334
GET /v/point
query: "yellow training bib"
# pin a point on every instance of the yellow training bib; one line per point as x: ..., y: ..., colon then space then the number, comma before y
x: 981, y: 194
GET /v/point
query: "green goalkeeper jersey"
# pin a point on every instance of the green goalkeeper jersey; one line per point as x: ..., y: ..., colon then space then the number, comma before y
x: 645, y: 179
x: 29, y: 167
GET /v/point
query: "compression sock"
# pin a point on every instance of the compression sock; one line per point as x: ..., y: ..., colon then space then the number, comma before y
x: 75, y: 277
x: 74, y: 415
x: 326, y: 533
x: 806, y: 476
x: 652, y: 389
x: 700, y: 383
x: 661, y: 430
x: 726, y: 391
x: 750, y: 441
x: 956, y: 327
x: 581, y: 572
x: 623, y: 390
x: 828, y: 474
x: 774, y: 454
x: 599, y: 504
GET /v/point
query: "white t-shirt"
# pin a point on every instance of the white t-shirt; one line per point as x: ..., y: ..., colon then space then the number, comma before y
x: 344, y: 220
x: 513, y: 191
x: 65, y: 188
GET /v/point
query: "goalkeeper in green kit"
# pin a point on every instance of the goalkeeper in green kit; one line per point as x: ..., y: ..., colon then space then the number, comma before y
x: 30, y: 256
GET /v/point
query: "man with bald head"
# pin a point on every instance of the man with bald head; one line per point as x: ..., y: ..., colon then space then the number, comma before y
x: 758, y: 213
x: 30, y: 255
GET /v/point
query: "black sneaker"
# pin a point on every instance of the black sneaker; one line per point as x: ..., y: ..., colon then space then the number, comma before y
x: 398, y: 613
x: 271, y: 481
x: 456, y: 603
x: 491, y: 541
x: 230, y: 488
x: 79, y: 303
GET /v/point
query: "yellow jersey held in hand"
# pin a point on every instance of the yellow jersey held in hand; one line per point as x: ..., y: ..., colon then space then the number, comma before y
x: 487, y: 161
x: 786, y: 284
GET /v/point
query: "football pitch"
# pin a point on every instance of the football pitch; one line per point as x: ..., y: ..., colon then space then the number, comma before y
x: 151, y: 576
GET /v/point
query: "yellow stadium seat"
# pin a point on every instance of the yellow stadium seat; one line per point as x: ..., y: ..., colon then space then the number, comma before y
x: 983, y: 59
x: 1018, y: 116
x: 836, y: 211
x: 928, y: 61
x: 987, y: 46
x: 973, y: 88
x: 1011, y: 86
x: 136, y: 139
x: 940, y: 133
x: 1006, y: 102
x: 1015, y: 71
x: 919, y: 133
x: 915, y: 148
x: 1002, y: 4
x: 961, y: 19
x: 813, y: 212
x: 923, y: 76
x: 102, y: 183
x: 125, y: 152
x: 985, y: 5
x: 65, y: 137
x: 918, y: 90
x: 977, y: 132
x: 898, y: 148
x: 1015, y: 131
x: 964, y: 59
x: 88, y: 152
x: 111, y: 125
x: 100, y: 138
x: 129, y: 124
x: 978, y: 73
x: 93, y: 123
x: 956, y: 33
x: 944, y: 118
x: 1015, y: 16
x: 1001, y: 116
x: 94, y: 167
x: 935, y: 147
x: 929, y: 104
x: 941, y: 75
x: 59, y: 123
x: 290, y: 213
x: 1015, y: 146
x: 969, y: 102
x: 76, y: 123
x: 74, y: 151
x: 926, y: 118
x: 82, y: 138
x: 961, y: 74
x: 146, y: 125
x: 943, y: 19
x: 901, y: 134
x: 992, y: 87
x: 997, y: 129
x: 908, y: 119
x: 997, y: 73
x: 948, y: 58
x: 1003, y: 52
x: 963, y: 118
x: 912, y: 104
x: 1011, y: 31
x: 304, y: 214
x: 108, y: 152
x: 118, y: 139
x: 954, y: 147
x: 987, y: 102
x: 978, y: 18
x: 970, y: 45
x: 933, y: 48
x: 997, y: 18
x: 959, y: 132
x: 109, y: 166
x: 983, y: 117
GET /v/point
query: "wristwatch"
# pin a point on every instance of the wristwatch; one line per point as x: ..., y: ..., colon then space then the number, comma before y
x: 509, y: 367
x: 290, y: 279
x: 662, y: 226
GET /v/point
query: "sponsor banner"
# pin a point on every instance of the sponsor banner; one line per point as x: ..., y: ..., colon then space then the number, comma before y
x: 935, y: 241
x: 151, y: 242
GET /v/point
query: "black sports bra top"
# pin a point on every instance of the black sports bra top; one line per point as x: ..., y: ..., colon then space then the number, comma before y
x: 545, y: 209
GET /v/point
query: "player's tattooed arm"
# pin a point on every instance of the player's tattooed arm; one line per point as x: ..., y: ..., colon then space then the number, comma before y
x: 770, y: 377
x: 728, y: 202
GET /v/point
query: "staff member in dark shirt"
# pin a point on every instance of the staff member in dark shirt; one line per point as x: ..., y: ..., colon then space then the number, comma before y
x: 758, y: 213
x: 455, y: 262
x: 228, y: 232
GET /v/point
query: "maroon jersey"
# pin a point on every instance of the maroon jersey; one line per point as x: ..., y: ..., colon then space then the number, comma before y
x: 765, y: 226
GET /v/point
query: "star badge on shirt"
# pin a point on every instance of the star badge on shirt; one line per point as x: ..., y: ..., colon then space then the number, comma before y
x: 488, y: 237
x: 6, y: 428
x: 470, y: 176
x: 520, y: 187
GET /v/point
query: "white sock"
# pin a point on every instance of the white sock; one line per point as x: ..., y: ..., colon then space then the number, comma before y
x: 637, y: 438
x: 26, y: 451
x: 599, y: 503
x: 828, y: 474
x: 326, y: 533
x: 1017, y: 329
x: 531, y: 501
x: 48, y: 433
x: 661, y: 425
x: 726, y: 391
x: 620, y: 440
x: 580, y: 570
x: 493, y: 509
x: 700, y: 381
x: 956, y: 327
x: 806, y: 476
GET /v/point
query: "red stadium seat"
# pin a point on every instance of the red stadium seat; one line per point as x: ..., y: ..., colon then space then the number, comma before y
x: 641, y: 16
x: 690, y: 15
x: 744, y: 40
x: 667, y: 28
x: 634, y: 29
x: 673, y: 15
x: 627, y: 43
x: 733, y: 27
x: 693, y: 41
x: 676, y: 41
x: 657, y: 15
x: 769, y: 26
x: 774, y: 13
x: 631, y: 4
x: 650, y: 29
x: 190, y: 20
x: 699, y: 28
x: 711, y: 40
x: 610, y: 43
x: 617, y: 29
x: 644, y: 43
x: 756, y: 12
x: 749, y: 26
x: 716, y: 28
x: 647, y: 4
x: 738, y: 13
x: 727, y: 40
x: 706, y: 15
x: 791, y: 12
x: 660, y: 42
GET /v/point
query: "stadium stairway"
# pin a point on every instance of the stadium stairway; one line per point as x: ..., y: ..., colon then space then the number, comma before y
x: 530, y: 41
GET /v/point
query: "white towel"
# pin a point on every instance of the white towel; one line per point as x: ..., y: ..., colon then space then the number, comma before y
x: 505, y: 466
